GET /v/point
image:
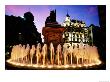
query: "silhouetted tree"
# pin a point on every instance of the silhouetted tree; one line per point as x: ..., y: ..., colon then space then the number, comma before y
x: 99, y: 40
x: 21, y: 30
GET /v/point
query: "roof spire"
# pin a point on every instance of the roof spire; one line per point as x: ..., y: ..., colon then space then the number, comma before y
x: 67, y: 14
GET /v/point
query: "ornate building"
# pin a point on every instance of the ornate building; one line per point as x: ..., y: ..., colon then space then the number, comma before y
x: 76, y: 32
x: 52, y: 31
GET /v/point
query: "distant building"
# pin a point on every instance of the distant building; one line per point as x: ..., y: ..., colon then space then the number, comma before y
x: 51, y: 20
x: 52, y: 31
x: 73, y: 23
x: 76, y: 32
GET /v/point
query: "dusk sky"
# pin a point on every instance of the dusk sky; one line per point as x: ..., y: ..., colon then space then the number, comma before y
x: 86, y: 13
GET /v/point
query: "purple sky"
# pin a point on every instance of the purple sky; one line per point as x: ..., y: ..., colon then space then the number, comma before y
x: 86, y: 13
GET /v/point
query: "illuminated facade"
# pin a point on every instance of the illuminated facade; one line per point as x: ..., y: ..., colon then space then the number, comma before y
x: 53, y: 35
x: 52, y: 31
x: 76, y: 32
x: 72, y: 32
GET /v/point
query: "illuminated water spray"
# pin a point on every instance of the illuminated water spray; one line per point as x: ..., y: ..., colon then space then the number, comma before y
x: 64, y: 57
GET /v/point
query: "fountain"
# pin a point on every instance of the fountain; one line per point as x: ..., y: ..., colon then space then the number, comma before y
x: 44, y: 53
x: 64, y: 57
x: 38, y: 54
x: 58, y: 54
x: 51, y: 53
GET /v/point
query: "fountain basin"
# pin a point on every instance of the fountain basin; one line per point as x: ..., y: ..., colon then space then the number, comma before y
x: 17, y: 65
x: 62, y: 58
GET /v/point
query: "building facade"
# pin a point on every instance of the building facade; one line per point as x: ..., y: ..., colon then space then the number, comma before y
x: 52, y: 31
x: 72, y: 32
x: 76, y: 32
